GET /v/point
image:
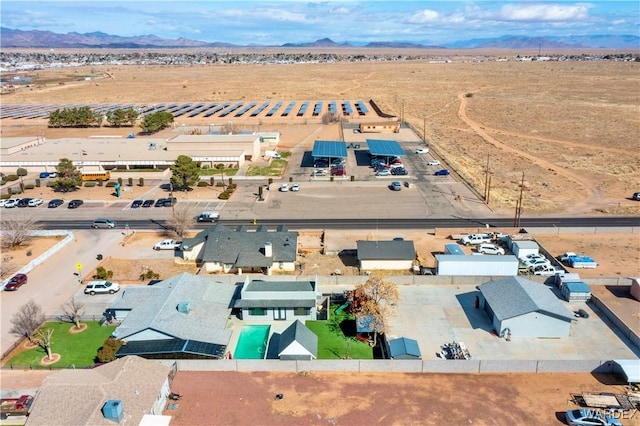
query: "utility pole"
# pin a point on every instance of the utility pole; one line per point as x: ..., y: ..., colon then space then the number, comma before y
x: 424, y: 128
x: 516, y: 220
x: 486, y: 181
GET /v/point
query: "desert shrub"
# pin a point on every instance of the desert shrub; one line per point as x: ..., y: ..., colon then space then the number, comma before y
x: 16, y: 190
x: 149, y: 275
x: 50, y: 184
x: 12, y: 178
x: 130, y: 181
x: 224, y: 195
x: 468, y: 95
x: 107, y: 352
x: 141, y: 182
x: 29, y: 186
x: 90, y: 184
x: 110, y: 184
x: 5, y: 196
x: 220, y: 184
x: 203, y: 184
x: 38, y: 183
x: 102, y: 273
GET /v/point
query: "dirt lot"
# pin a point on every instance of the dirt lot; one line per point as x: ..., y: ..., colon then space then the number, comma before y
x: 570, y: 127
x: 387, y: 399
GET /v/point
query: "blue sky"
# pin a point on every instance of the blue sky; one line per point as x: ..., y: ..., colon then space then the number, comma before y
x: 278, y: 22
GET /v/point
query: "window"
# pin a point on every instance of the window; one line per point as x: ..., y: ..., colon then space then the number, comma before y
x: 300, y: 312
x: 257, y: 312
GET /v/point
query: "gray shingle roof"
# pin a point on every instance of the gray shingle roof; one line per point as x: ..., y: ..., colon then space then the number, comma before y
x: 386, y: 250
x: 268, y: 286
x: 298, y: 332
x: 82, y: 393
x: 514, y: 296
x: 244, y: 249
x: 155, y: 308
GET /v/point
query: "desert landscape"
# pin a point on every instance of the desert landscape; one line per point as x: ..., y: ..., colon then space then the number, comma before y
x: 568, y: 128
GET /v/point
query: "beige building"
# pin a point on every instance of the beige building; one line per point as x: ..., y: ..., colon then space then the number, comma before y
x: 380, y: 127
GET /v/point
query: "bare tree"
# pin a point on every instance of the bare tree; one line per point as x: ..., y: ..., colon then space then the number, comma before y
x: 27, y: 320
x: 181, y: 219
x: 376, y: 299
x: 16, y: 229
x: 73, y: 310
x: 45, y: 336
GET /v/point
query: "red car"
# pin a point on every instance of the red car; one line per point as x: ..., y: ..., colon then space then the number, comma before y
x: 16, y: 282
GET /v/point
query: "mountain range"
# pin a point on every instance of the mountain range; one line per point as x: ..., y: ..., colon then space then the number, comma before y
x: 13, y: 38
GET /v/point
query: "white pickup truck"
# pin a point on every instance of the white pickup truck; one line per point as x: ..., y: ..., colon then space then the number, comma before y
x: 167, y: 245
x: 475, y: 239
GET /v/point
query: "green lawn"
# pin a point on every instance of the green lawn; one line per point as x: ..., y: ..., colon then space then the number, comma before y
x: 75, y: 349
x: 336, y: 338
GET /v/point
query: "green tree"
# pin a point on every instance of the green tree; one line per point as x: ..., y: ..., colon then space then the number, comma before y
x: 21, y: 172
x: 156, y: 121
x: 185, y: 173
x: 122, y: 117
x: 69, y: 177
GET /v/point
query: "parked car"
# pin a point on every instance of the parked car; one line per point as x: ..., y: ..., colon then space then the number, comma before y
x: 319, y: 172
x: 11, y: 203
x: 24, y: 202
x: 159, y: 202
x: 101, y: 287
x: 295, y: 187
x: 338, y: 171
x: 443, y: 172
x: 396, y: 186
x: 53, y: 175
x: 208, y: 217
x: 35, y: 202
x: 530, y: 263
x: 17, y: 281
x: 3, y: 202
x: 433, y: 163
x: 74, y: 204
x: 421, y: 151
x: 284, y: 187
x: 44, y: 175
x: 545, y: 270
x: 399, y: 171
x: 136, y: 203
x: 56, y: 202
x: 486, y: 248
x: 103, y: 223
x: 636, y: 196
x: 319, y: 164
x: 590, y: 417
x: 168, y: 202
x: 148, y: 203
x: 383, y: 172
x: 475, y: 239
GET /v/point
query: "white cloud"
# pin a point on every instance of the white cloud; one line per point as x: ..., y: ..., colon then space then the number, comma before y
x: 424, y: 17
x: 544, y: 12
x: 339, y: 11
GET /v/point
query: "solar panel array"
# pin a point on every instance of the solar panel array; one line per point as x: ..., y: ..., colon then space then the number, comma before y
x: 194, y: 109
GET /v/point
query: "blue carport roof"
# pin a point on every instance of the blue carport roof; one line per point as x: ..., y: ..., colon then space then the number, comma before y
x: 404, y: 346
x: 332, y: 149
x: 385, y: 148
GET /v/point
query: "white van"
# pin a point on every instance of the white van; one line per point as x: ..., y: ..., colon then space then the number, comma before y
x: 103, y: 223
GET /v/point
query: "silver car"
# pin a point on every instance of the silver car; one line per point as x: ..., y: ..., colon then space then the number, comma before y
x: 590, y: 417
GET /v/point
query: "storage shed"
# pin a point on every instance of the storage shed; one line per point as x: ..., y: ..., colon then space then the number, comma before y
x: 576, y: 291
x: 453, y: 264
x: 453, y: 248
x: 403, y: 348
x: 389, y: 255
x: 521, y: 308
x: 297, y: 342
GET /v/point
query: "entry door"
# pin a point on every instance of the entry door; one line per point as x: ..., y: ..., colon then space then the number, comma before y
x: 279, y: 313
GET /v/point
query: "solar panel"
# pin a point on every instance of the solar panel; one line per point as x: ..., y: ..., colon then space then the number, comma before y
x: 346, y: 108
x: 288, y: 109
x: 385, y: 148
x: 216, y: 109
x: 230, y: 109
x: 202, y: 109
x: 259, y: 109
x: 333, y: 109
x: 317, y: 109
x: 303, y: 109
x: 190, y: 108
x: 329, y: 149
x: 275, y: 108
x: 245, y: 109
x: 362, y: 108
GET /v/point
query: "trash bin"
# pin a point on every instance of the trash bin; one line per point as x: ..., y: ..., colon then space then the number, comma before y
x: 99, y: 257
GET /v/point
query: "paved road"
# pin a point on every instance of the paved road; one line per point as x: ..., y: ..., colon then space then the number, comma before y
x: 55, y: 281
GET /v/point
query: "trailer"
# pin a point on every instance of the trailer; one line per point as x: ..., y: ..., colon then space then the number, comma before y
x: 578, y: 260
x: 606, y: 400
x: 15, y: 406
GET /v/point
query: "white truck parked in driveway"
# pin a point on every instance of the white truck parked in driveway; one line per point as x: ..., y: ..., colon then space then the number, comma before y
x: 167, y: 245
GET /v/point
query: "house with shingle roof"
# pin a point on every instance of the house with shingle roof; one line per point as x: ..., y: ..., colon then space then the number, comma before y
x: 518, y: 307
x: 278, y: 300
x: 77, y: 397
x: 387, y: 255
x: 181, y: 317
x: 297, y: 342
x: 219, y: 249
